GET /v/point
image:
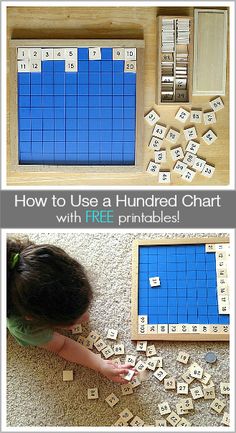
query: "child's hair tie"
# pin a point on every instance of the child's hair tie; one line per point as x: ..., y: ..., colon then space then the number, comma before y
x: 15, y: 257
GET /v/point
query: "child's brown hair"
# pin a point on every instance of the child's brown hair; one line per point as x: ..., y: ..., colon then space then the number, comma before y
x: 45, y: 283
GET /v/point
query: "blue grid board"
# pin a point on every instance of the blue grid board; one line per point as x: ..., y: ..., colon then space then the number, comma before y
x: 188, y: 290
x: 78, y: 118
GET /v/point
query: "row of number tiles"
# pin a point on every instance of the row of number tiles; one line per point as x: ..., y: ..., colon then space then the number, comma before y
x: 29, y: 59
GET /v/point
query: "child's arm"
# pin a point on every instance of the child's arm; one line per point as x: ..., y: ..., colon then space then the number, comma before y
x: 74, y: 352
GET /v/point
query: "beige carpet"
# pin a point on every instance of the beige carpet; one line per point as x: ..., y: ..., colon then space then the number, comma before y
x: 36, y: 394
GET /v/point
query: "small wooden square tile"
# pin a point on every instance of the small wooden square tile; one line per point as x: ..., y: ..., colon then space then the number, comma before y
x: 92, y: 393
x: 152, y: 117
x: 209, y: 137
x: 67, y: 375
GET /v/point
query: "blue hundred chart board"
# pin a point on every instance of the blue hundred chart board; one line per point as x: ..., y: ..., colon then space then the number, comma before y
x: 181, y: 289
x: 77, y: 104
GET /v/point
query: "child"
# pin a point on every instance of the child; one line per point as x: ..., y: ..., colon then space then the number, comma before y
x: 47, y: 289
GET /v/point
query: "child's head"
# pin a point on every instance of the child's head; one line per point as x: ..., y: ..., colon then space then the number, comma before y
x: 45, y: 284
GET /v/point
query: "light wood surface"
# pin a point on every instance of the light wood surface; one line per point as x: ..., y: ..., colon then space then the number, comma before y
x: 210, y: 47
x: 135, y: 287
x: 115, y: 23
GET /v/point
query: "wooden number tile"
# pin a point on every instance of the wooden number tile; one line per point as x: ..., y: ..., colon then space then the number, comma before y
x: 130, y: 359
x: 172, y: 135
x: 163, y: 329
x: 226, y: 419
x: 126, y: 389
x: 199, y: 164
x: 209, y: 137
x: 182, y: 115
x: 92, y: 393
x: 187, y: 403
x: 95, y: 53
x: 160, y: 156
x: 137, y: 422
x: 58, y: 54
x: 217, y: 405
x: 183, y: 423
x: 183, y: 357
x: 71, y: 54
x: 182, y: 388
x: 107, y: 352
x: 35, y: 54
x: 160, y: 423
x: 187, y: 377
x: 196, y: 370
x: 197, y: 392
x: 192, y: 147
x: 23, y: 65
x: 119, y: 349
x: 164, y: 176
x: 225, y: 388
x: 118, y: 54
x: 135, y: 381
x: 100, y: 345
x: 120, y: 423
x: 151, y: 351
x: 142, y: 320
x: 210, y: 248
x: 159, y: 131
x: 153, y: 168
x: 152, y: 117
x: 164, y: 408
x: 47, y: 54
x: 188, y: 175
x: 130, y: 66
x: 155, y: 143
x: 93, y: 335
x: 130, y: 53
x: 152, y: 363
x: 177, y: 153
x: 196, y: 116
x: 88, y: 343
x: 173, y: 329
x: 71, y: 66
x: 205, y: 378
x: 209, y: 117
x: 140, y: 366
x: 216, y: 104
x: 77, y: 329
x: 189, y: 158
x: 141, y: 346
x: 208, y: 170
x: 169, y: 383
x: 180, y: 410
x: 126, y: 414
x: 142, y: 329
x: 129, y: 375
x: 183, y: 329
x: 160, y: 374
x: 112, y: 399
x: 180, y: 167
x: 67, y: 375
x: 190, y: 133
x: 151, y: 329
x: 173, y: 419
x: 209, y: 393
x: 154, y: 282
x: 35, y: 65
x: 112, y: 334
x: 23, y: 53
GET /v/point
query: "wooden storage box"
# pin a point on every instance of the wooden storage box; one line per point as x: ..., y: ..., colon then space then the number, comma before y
x: 174, y: 59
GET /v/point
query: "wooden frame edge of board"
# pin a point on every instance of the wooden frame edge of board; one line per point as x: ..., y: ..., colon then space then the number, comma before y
x: 135, y: 336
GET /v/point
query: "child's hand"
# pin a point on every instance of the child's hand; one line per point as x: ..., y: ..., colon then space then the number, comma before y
x: 115, y: 372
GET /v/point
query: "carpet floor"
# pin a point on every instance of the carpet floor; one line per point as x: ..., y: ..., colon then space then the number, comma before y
x: 36, y: 394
